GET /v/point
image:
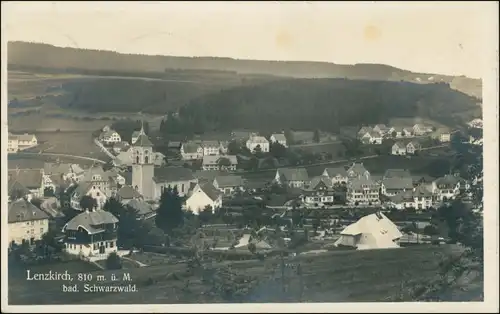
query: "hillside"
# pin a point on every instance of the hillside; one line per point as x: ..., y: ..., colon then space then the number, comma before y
x: 327, y: 104
x: 22, y: 55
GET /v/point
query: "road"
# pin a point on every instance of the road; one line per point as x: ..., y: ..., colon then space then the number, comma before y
x: 63, y: 155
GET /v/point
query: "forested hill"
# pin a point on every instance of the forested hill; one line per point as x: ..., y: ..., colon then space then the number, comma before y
x: 37, y: 56
x: 327, y: 104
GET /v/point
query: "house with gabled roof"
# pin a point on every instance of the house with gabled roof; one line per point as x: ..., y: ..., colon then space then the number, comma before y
x: 337, y: 175
x: 362, y: 191
x: 413, y: 147
x: 357, y: 170
x: 204, y: 194
x: 374, y: 231
x: 278, y: 138
x: 448, y: 187
x: 127, y: 193
x: 257, y: 142
x: 422, y: 129
x: 176, y: 177
x: 91, y: 234
x: 292, y: 177
x: 371, y: 137
x: 420, y: 197
x: 31, y: 179
x: 191, y: 151
x: 394, y: 185
x: 220, y: 162
x: 398, y: 149
x: 87, y: 189
x: 319, y: 192
x: 143, y: 209
x: 227, y: 184
x: 110, y: 137
x: 26, y: 222
x: 382, y: 129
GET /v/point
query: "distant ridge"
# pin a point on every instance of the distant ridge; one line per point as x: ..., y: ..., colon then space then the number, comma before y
x: 38, y: 55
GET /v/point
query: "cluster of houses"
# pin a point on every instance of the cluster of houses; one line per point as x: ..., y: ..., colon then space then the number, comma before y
x: 376, y: 134
x: 395, y: 189
x: 19, y: 142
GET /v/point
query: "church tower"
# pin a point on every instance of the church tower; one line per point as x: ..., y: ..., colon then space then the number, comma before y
x: 143, y: 166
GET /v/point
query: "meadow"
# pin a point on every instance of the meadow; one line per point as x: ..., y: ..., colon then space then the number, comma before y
x: 338, y: 276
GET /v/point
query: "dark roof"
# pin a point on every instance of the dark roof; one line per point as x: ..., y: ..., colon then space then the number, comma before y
x: 397, y: 173
x: 229, y: 181
x: 128, y: 192
x: 16, y: 186
x: 172, y: 174
x: 22, y: 210
x: 91, y: 221
x: 332, y: 172
x: 142, y: 207
x: 316, y: 181
x: 30, y: 178
x: 56, y: 168
x: 210, y: 190
x: 294, y: 174
x: 143, y: 141
x: 358, y: 169
x: 398, y: 183
x: 448, y: 179
x: 208, y: 175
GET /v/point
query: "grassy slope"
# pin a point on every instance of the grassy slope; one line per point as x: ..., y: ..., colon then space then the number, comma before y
x: 335, y: 276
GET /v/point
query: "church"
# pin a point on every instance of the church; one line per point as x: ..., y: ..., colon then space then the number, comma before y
x: 149, y: 180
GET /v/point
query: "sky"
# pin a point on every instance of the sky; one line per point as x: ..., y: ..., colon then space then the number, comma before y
x: 444, y: 38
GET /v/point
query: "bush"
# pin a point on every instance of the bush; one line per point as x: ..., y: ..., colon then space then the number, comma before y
x: 113, y: 261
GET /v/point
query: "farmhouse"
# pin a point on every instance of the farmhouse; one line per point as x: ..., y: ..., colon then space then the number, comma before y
x: 91, y: 234
x: 319, y: 192
x: 278, y: 138
x: 336, y: 175
x: 143, y: 209
x: 257, y: 143
x: 399, y: 148
x: 413, y: 147
x: 30, y: 179
x: 110, y: 137
x: 419, y: 198
x: 203, y: 195
x: 357, y: 170
x: 220, y: 162
x: 26, y: 222
x: 89, y: 189
x: 374, y: 231
x: 362, y: 191
x: 382, y: 129
x: 228, y: 184
x: 292, y: 177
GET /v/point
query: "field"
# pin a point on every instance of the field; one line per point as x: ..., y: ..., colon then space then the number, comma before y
x: 342, y: 276
x: 71, y: 143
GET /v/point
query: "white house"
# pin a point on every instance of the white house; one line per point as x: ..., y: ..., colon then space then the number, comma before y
x: 220, y: 162
x: 228, y: 184
x: 447, y: 187
x: 336, y: 175
x: 278, y: 138
x: 372, y: 137
x: 110, y: 136
x: 445, y: 137
x: 191, y: 151
x: 398, y: 148
x: 212, y: 148
x: 413, y: 147
x: 256, y: 141
x: 203, y: 195
x: 13, y: 144
x: 362, y: 191
x: 374, y: 231
x: 91, y: 234
x: 26, y: 222
x: 89, y: 189
x: 476, y: 123
x: 319, y: 192
x: 382, y: 129
x: 420, y: 197
x: 358, y: 170
x: 292, y: 177
x: 422, y: 129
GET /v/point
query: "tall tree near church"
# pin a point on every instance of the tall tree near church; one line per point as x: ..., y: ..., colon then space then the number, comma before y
x: 169, y: 214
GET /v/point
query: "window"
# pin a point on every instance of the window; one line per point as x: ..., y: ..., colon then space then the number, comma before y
x: 95, y: 246
x: 98, y: 194
x: 32, y: 223
x: 137, y: 159
x: 41, y: 230
x: 112, y: 244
